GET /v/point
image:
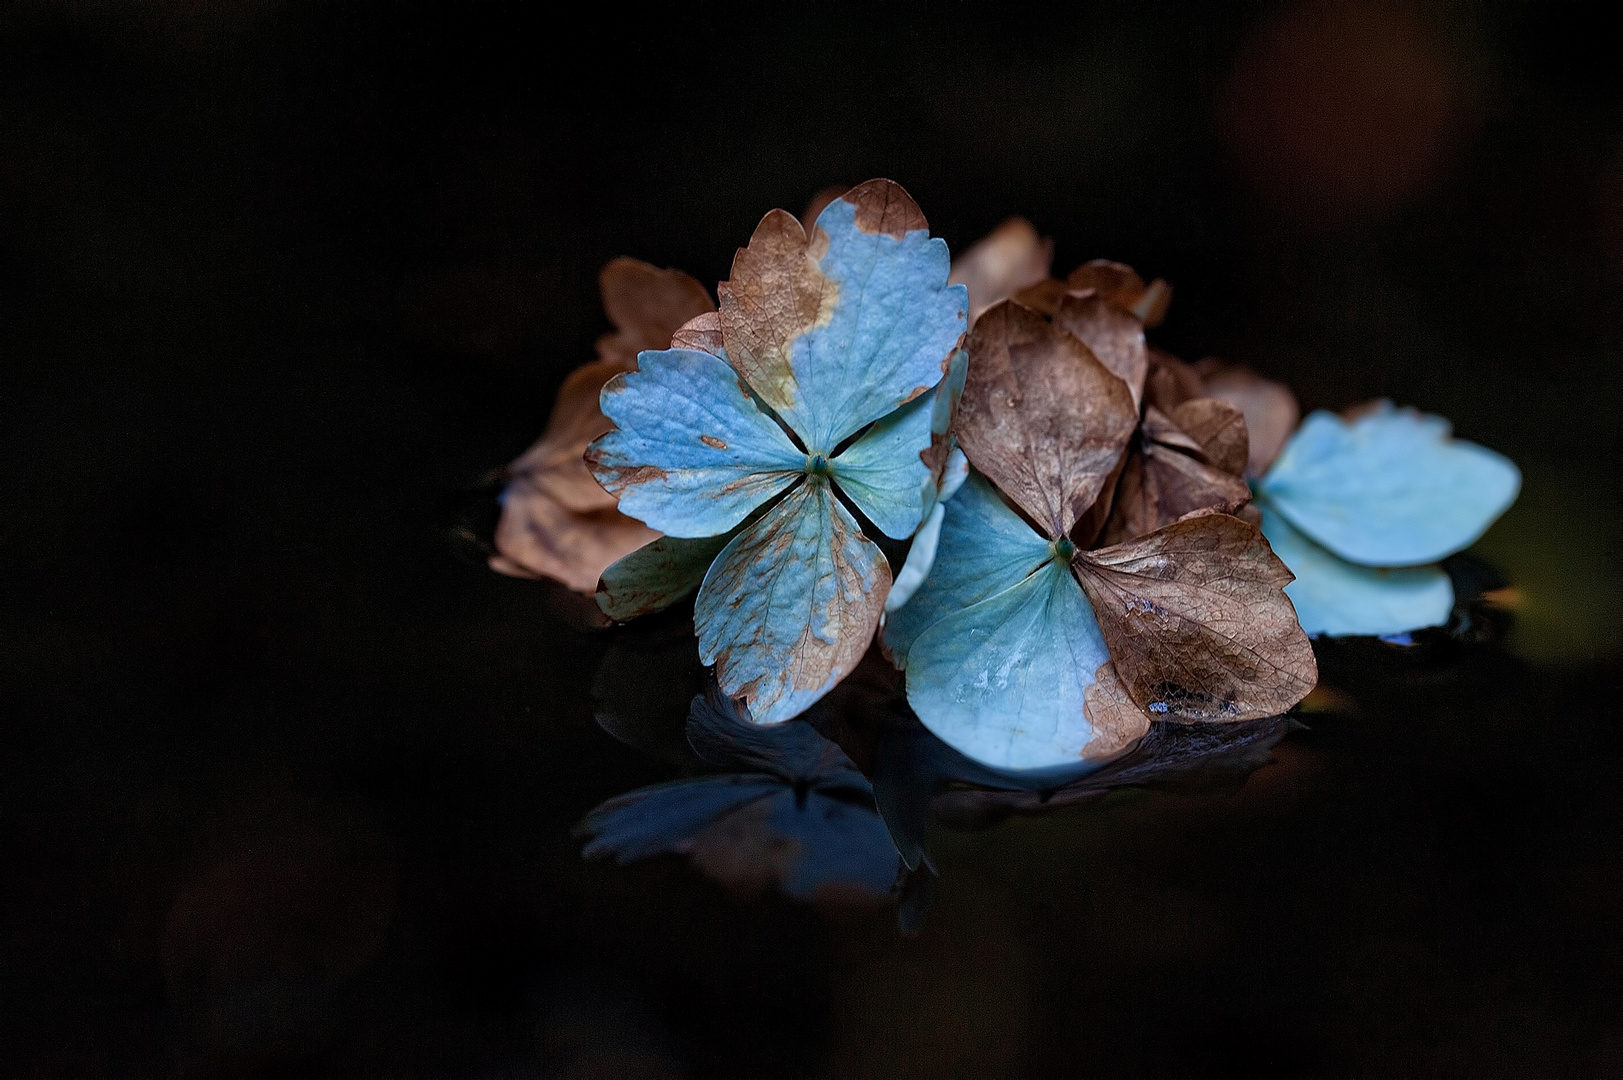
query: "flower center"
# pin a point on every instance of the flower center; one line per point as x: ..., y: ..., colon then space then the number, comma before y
x: 1063, y: 550
x: 816, y: 465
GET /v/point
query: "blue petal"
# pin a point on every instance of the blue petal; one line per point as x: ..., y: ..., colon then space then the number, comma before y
x: 1336, y: 597
x: 691, y: 455
x: 883, y: 471
x: 663, y: 817
x: 790, y: 605
x: 921, y: 556
x: 984, y: 548
x: 894, y: 324
x: 1005, y: 680
x: 1389, y: 489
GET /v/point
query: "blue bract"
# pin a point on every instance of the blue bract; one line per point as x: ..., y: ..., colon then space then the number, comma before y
x: 1362, y: 510
x: 813, y: 379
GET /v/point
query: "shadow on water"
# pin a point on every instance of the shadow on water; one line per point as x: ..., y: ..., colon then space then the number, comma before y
x: 287, y: 786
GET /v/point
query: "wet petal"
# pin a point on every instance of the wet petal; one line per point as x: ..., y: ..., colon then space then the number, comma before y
x: 1335, y: 597
x: 691, y: 455
x: 1004, y: 681
x: 1041, y: 416
x: 1390, y: 488
x: 984, y: 548
x: 835, y: 331
x: 884, y: 472
x: 1198, y: 625
x: 790, y: 605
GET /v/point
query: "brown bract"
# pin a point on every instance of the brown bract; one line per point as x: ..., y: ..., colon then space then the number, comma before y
x: 1000, y: 264
x: 1121, y: 285
x: 646, y: 305
x: 1197, y: 623
x: 1170, y: 382
x: 557, y: 521
x: 775, y: 294
x: 1041, y: 416
x: 1271, y: 411
x: 1118, y: 721
x: 1170, y: 473
x: 1115, y: 335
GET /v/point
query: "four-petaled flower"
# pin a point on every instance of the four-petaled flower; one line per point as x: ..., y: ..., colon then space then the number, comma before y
x: 743, y: 442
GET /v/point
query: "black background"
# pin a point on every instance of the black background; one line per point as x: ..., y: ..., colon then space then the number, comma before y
x: 287, y: 776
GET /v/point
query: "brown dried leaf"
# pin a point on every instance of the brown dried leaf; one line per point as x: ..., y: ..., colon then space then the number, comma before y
x: 1115, y: 336
x: 538, y: 536
x: 1000, y: 264
x: 1116, y: 282
x: 646, y: 306
x: 702, y: 332
x: 1044, y: 296
x: 1197, y: 622
x: 1165, y: 478
x: 1271, y: 411
x: 1117, y: 720
x: 1041, y: 416
x: 1219, y: 428
x: 1170, y: 382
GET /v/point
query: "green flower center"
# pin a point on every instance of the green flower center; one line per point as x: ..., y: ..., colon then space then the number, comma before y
x: 817, y: 465
x: 1063, y: 550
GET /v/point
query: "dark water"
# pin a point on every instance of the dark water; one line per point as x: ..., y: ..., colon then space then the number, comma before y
x: 288, y: 777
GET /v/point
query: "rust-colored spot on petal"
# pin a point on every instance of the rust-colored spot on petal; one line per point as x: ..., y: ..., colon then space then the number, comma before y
x: 712, y: 442
x: 884, y: 207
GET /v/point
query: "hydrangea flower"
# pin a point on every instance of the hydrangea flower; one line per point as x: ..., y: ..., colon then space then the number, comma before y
x: 1023, y: 651
x: 1362, y: 510
x: 743, y: 442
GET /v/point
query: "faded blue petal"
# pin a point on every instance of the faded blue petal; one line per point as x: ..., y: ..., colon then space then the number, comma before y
x: 1004, y: 681
x: 984, y: 548
x: 883, y: 471
x: 790, y: 605
x: 921, y: 556
x: 894, y: 324
x: 1335, y: 597
x: 656, y: 575
x: 691, y: 454
x: 1388, y: 489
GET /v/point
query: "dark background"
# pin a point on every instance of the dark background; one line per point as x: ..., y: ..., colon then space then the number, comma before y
x: 286, y: 776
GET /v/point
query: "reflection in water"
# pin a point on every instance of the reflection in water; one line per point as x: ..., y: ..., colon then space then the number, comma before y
x: 834, y: 807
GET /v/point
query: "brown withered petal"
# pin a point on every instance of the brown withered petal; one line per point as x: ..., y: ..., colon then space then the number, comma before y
x: 1044, y: 296
x: 1170, y: 381
x: 1166, y: 476
x: 1219, y: 428
x: 1041, y: 416
x: 1001, y: 263
x: 1116, y: 282
x: 554, y: 462
x: 538, y: 536
x: 774, y: 294
x: 1117, y: 720
x: 1271, y: 411
x: 1197, y: 621
x: 646, y: 306
x: 702, y: 332
x: 1115, y: 336
x: 818, y: 203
